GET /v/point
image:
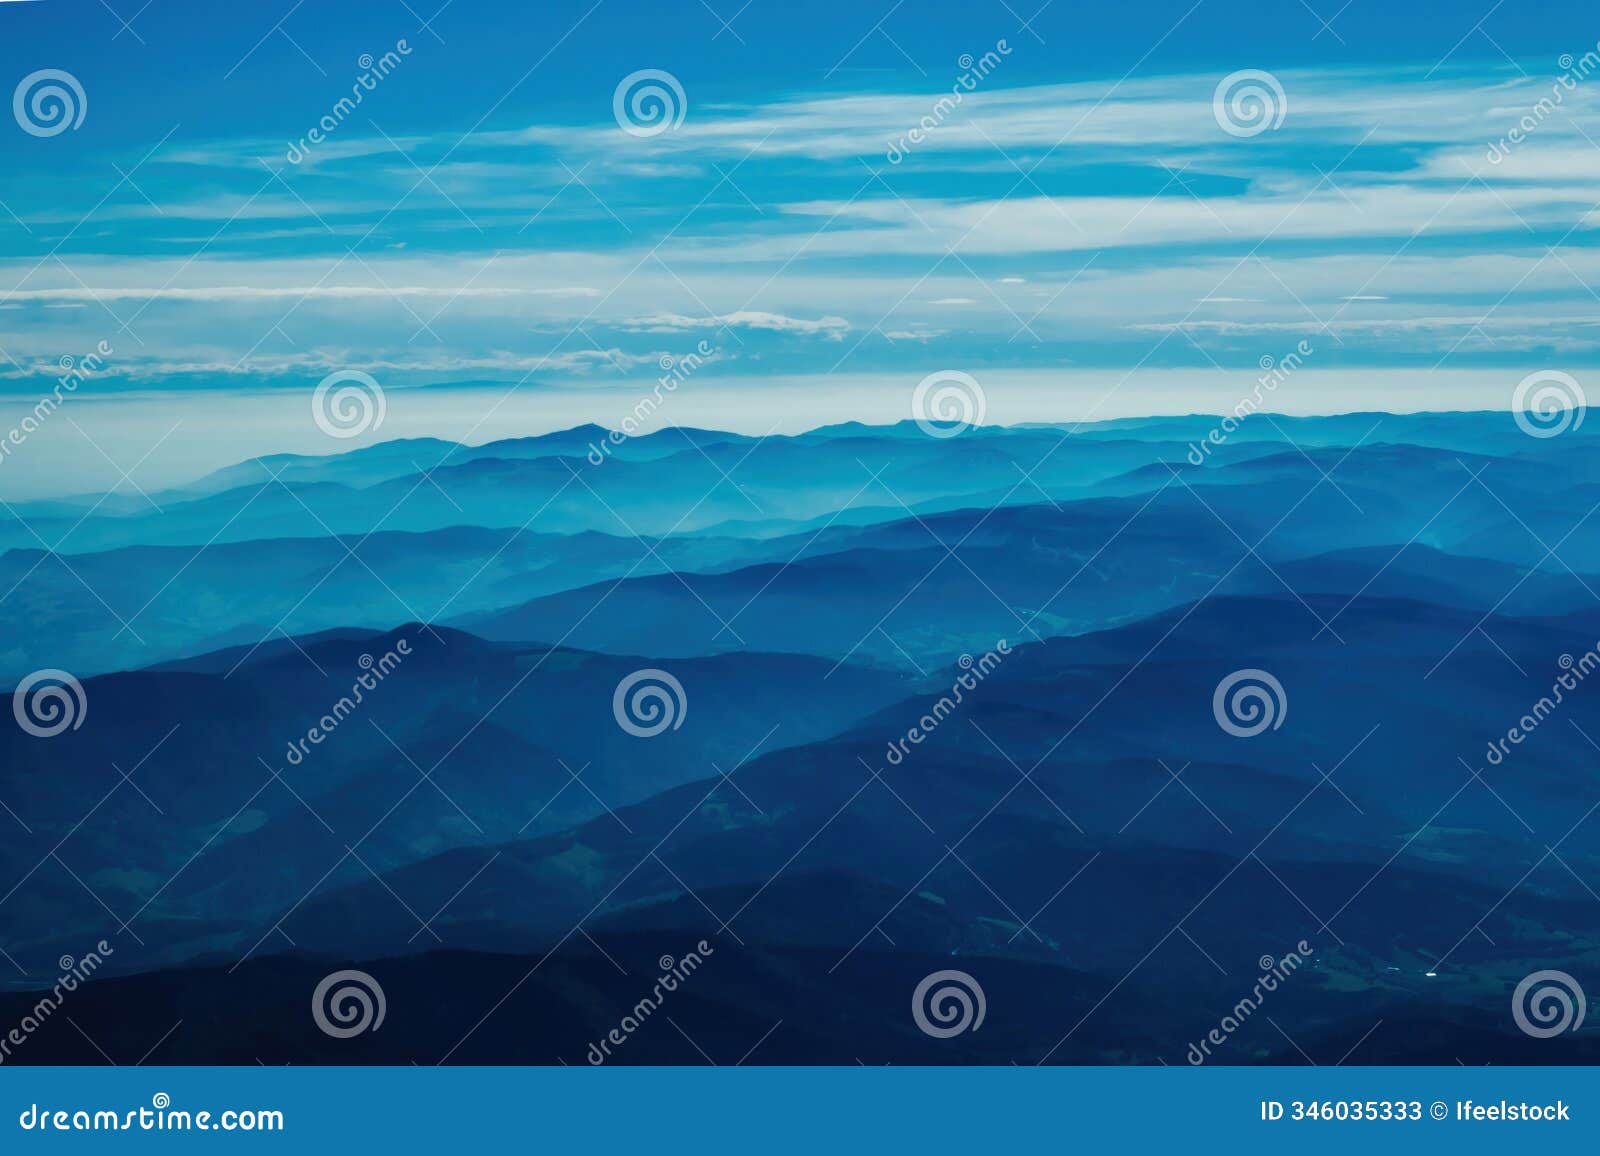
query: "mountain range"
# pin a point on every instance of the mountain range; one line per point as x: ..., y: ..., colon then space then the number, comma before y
x: 931, y: 703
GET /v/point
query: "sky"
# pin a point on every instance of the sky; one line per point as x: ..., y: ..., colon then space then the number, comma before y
x: 1059, y: 200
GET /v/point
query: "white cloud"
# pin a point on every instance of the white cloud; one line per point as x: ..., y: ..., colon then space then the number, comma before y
x: 1254, y: 240
x: 71, y: 298
x: 833, y: 327
x: 311, y: 362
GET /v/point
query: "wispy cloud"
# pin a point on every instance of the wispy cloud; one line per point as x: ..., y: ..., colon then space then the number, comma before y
x: 1374, y: 210
x: 834, y: 327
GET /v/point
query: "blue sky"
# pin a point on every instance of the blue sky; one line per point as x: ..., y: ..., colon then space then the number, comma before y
x: 1081, y: 215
